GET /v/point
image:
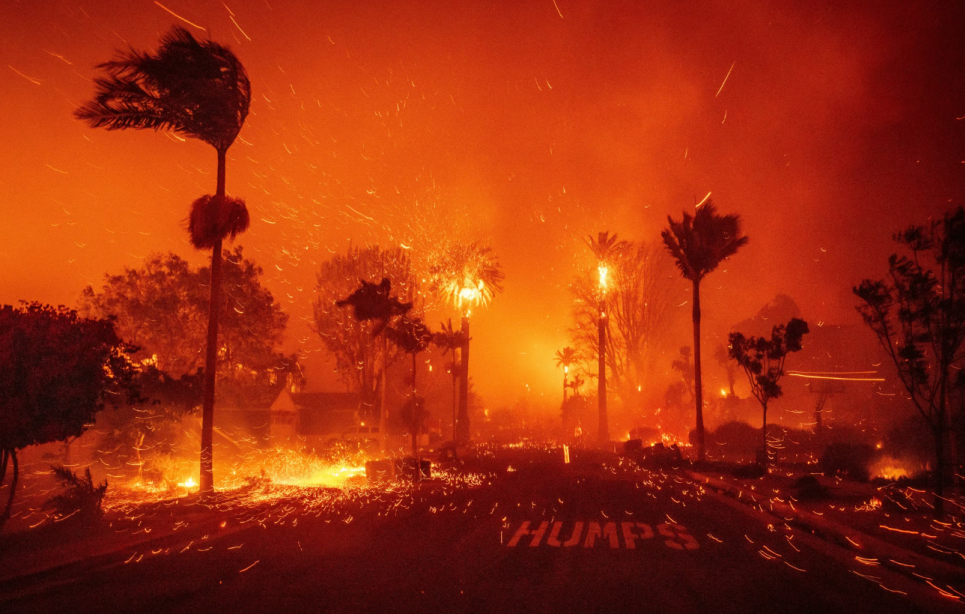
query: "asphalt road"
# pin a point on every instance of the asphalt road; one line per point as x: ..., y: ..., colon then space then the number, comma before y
x: 543, y: 537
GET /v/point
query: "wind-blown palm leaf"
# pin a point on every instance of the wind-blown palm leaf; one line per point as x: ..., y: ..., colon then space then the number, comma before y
x: 213, y: 219
x: 701, y: 242
x: 196, y: 88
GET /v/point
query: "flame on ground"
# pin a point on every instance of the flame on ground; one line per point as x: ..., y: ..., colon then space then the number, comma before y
x: 891, y: 468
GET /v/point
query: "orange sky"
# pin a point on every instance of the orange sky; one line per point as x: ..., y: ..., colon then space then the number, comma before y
x: 524, y: 124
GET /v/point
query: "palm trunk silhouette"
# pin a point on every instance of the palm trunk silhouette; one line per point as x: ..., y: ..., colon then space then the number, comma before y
x: 211, y: 354
x: 698, y: 387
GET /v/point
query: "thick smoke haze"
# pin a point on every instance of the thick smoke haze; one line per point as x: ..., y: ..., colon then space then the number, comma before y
x: 525, y: 125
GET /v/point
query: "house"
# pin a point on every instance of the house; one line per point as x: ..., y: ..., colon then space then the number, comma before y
x: 312, y: 418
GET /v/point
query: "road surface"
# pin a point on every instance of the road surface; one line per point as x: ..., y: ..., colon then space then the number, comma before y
x: 537, y: 536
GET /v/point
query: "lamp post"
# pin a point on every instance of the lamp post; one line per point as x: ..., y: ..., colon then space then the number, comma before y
x: 604, y: 429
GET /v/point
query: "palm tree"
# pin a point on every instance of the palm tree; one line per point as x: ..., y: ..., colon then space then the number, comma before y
x: 201, y: 90
x: 449, y: 339
x: 566, y: 358
x: 412, y: 336
x: 698, y: 244
x: 607, y: 249
x: 466, y: 274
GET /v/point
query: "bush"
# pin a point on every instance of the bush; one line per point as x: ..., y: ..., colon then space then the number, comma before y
x: 847, y: 460
x: 751, y: 471
x: 80, y: 498
x: 808, y: 488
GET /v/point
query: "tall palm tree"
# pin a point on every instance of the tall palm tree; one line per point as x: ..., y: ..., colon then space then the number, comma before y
x: 566, y: 358
x: 607, y: 249
x: 467, y: 275
x: 698, y: 244
x: 449, y: 339
x: 201, y: 90
x: 411, y: 335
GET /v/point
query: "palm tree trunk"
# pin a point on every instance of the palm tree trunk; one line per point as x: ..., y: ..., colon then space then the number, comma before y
x: 603, y: 434
x: 206, y: 480
x: 415, y: 429
x: 698, y: 388
x: 383, y: 439
x: 462, y: 423
x: 13, y: 484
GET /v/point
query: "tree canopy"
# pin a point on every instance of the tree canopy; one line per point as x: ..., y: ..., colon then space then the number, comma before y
x: 763, y: 361
x: 352, y: 342
x: 918, y: 315
x: 57, y: 370
x: 162, y: 307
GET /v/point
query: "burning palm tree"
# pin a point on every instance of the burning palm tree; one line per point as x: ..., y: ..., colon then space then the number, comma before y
x: 607, y: 249
x: 699, y: 243
x: 467, y: 275
x: 201, y: 90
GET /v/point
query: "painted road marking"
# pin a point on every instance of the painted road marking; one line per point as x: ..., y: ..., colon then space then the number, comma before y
x: 676, y: 535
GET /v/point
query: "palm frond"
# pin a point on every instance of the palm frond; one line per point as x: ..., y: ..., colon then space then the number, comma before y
x: 197, y: 88
x: 701, y: 242
x: 213, y: 219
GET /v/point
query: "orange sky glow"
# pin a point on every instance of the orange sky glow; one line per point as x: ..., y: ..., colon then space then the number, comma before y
x: 526, y: 125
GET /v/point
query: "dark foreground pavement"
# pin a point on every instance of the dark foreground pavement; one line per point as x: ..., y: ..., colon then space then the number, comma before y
x: 543, y: 537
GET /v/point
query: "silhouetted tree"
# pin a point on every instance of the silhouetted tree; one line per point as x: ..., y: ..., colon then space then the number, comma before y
x: 57, y: 370
x: 763, y: 362
x: 918, y: 315
x: 356, y: 348
x: 449, y: 340
x: 466, y: 275
x: 698, y: 244
x: 374, y: 303
x: 201, y: 90
x: 412, y: 336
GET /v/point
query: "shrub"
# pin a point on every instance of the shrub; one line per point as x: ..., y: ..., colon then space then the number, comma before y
x: 80, y: 498
x: 808, y: 488
x: 847, y: 460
